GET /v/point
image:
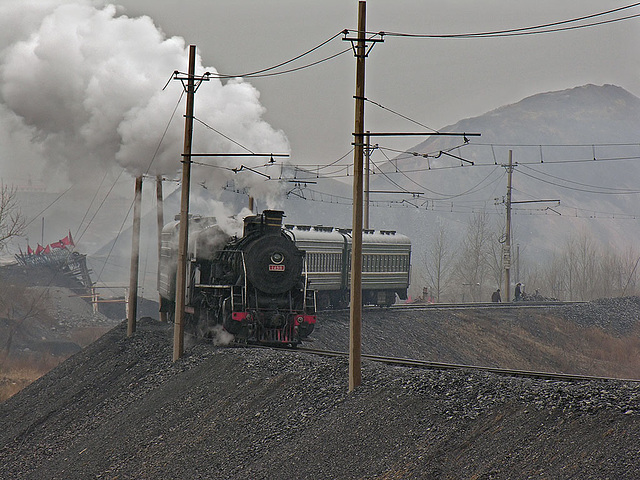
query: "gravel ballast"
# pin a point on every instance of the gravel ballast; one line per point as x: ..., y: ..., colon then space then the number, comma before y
x: 121, y: 408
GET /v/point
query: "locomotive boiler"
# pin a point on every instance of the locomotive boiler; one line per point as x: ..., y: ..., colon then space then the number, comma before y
x: 253, y: 286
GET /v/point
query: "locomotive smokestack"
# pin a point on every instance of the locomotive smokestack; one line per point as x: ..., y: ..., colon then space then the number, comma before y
x: 273, y: 219
x: 269, y: 221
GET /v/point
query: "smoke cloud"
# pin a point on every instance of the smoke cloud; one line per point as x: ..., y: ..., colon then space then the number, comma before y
x: 81, y: 91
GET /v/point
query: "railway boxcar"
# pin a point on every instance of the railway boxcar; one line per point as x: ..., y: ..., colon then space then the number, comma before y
x: 251, y: 285
x: 386, y: 262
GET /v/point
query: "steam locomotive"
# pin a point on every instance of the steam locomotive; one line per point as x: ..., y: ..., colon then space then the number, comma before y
x: 253, y: 285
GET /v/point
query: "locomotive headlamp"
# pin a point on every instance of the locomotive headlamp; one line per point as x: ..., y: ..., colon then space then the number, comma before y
x: 277, y: 257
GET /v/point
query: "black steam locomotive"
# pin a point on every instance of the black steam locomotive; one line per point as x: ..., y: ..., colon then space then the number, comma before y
x: 253, y: 285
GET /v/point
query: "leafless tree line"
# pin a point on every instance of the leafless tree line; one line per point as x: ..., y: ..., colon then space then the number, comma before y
x: 470, y: 268
x: 13, y: 309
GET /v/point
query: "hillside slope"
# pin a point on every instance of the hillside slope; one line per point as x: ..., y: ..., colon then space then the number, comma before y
x: 122, y: 409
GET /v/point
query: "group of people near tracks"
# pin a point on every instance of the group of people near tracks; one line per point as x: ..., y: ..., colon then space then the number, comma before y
x: 519, y: 295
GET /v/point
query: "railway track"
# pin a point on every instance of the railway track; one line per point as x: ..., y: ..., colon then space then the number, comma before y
x: 426, y: 364
x: 477, y: 305
x: 464, y: 306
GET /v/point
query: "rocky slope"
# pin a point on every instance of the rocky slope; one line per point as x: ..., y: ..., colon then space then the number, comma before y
x: 122, y: 409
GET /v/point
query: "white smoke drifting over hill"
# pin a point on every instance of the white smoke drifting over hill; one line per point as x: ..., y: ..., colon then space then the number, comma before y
x: 81, y: 92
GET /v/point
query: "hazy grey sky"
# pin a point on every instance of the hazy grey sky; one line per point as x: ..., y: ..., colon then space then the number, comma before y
x: 81, y: 83
x: 434, y: 81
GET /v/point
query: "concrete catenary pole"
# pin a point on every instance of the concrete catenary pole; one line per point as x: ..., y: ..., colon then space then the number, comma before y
x: 367, y: 172
x: 506, y: 254
x: 160, y: 222
x: 132, y: 300
x: 178, y: 328
x: 355, y: 347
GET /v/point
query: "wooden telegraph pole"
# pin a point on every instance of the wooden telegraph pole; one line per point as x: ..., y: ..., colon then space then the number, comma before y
x: 178, y: 328
x: 160, y: 223
x: 132, y: 299
x: 360, y: 50
x: 355, y: 347
x: 366, y: 180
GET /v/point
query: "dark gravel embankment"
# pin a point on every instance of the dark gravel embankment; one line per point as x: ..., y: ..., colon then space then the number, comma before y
x: 122, y: 409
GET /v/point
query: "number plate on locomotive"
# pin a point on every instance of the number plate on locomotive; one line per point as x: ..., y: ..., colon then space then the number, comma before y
x: 276, y: 268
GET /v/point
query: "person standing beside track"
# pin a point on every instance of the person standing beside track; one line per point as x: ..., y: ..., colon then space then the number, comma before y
x: 495, y: 297
x: 518, y: 292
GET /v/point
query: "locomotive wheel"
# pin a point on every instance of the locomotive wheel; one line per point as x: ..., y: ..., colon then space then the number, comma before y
x: 305, y: 330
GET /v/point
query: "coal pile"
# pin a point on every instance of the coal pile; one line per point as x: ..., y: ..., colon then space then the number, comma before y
x: 617, y: 315
x: 122, y: 409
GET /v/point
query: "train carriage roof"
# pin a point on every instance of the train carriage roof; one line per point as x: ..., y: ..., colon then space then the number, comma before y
x: 331, y: 234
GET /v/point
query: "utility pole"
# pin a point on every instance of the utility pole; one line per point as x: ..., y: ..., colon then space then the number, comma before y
x: 506, y: 253
x: 506, y: 248
x: 360, y: 50
x: 178, y: 328
x: 355, y: 329
x: 160, y: 223
x: 132, y: 311
x: 366, y: 180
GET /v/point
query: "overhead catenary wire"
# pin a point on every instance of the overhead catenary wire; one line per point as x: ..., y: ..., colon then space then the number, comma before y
x: 561, y: 25
x: 594, y: 189
x: 262, y: 72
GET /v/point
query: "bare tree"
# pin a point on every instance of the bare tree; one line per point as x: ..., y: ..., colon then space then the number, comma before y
x: 16, y: 307
x: 438, y: 259
x: 472, y: 266
x: 630, y: 261
x: 586, y: 256
x: 495, y: 256
x: 12, y: 223
x: 554, y: 277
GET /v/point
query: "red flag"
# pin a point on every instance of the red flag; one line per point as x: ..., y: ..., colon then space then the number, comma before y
x: 29, y: 250
x: 39, y: 249
x: 59, y: 244
x: 46, y: 250
x: 68, y: 240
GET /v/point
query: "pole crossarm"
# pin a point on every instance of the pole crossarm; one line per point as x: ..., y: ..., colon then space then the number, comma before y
x: 396, y: 192
x: 423, y: 134
x: 373, y: 39
x: 244, y: 167
x: 557, y: 200
x: 454, y: 156
x: 184, y: 79
x: 235, y: 154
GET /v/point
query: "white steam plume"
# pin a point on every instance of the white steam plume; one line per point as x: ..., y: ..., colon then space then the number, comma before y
x: 81, y: 89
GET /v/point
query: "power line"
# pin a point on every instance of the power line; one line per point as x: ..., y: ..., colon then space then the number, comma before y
x: 531, y: 30
x: 587, y: 190
x: 624, y: 190
x: 222, y: 134
x: 400, y: 115
x: 263, y: 72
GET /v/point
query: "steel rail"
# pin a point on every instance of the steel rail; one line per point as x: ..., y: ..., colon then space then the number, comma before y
x: 432, y: 365
x: 464, y: 306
